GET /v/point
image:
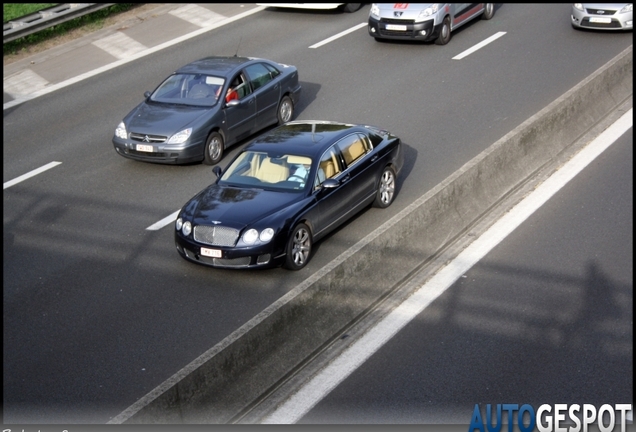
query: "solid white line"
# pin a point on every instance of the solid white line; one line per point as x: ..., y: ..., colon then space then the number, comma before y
x: 31, y: 174
x: 339, y: 35
x: 163, y: 222
x: 118, y: 63
x: 340, y: 368
x: 481, y: 44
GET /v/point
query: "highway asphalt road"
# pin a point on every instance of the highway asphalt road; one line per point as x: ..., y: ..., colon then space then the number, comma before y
x: 546, y: 317
x: 98, y: 310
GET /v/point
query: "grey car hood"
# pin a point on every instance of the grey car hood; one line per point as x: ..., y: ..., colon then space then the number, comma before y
x: 164, y: 119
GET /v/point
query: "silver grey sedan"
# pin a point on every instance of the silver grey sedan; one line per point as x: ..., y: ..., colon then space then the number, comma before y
x: 603, y: 16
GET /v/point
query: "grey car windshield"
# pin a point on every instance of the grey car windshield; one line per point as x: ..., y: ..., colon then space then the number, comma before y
x: 189, y: 89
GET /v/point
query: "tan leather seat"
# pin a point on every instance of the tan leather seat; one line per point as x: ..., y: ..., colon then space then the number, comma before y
x: 353, y: 152
x: 254, y: 166
x: 328, y: 168
x: 271, y: 172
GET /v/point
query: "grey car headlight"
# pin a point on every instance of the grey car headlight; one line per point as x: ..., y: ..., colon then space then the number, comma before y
x: 180, y: 137
x: 578, y: 6
x: 120, y: 132
x: 628, y: 8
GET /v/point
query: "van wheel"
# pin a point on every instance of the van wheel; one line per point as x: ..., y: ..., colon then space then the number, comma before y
x: 489, y: 11
x: 444, y: 33
x: 213, y: 149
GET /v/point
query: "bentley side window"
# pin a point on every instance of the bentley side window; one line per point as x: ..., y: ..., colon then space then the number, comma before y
x: 353, y: 148
x: 328, y: 167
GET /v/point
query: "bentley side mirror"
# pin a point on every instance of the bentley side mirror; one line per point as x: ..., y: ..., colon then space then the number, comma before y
x: 330, y: 183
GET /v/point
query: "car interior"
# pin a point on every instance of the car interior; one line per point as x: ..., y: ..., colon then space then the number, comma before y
x: 285, y: 171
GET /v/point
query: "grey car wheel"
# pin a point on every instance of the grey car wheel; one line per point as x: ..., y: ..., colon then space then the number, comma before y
x: 213, y: 149
x: 285, y: 110
x: 444, y: 33
x: 386, y: 188
x: 351, y: 7
x: 489, y: 11
x: 298, y: 248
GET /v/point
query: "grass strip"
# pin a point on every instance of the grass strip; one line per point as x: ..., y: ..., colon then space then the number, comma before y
x: 92, y: 22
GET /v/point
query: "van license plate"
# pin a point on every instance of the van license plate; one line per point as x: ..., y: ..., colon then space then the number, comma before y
x: 396, y: 27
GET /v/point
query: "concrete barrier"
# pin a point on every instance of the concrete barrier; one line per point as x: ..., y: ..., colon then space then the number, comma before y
x: 225, y: 380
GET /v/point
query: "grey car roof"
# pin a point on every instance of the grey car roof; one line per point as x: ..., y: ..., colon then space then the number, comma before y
x: 217, y: 64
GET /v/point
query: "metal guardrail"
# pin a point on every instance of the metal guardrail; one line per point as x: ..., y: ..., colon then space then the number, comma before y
x: 46, y: 18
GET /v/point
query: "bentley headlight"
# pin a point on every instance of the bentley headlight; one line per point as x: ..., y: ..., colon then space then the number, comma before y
x: 187, y: 228
x: 180, y: 137
x: 250, y: 236
x: 178, y: 224
x: 120, y: 132
x: 266, y: 235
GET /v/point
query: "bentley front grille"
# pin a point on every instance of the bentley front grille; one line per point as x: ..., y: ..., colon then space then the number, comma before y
x: 216, y: 235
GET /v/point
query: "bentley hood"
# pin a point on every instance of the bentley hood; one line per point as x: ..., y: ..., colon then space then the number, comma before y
x: 229, y: 206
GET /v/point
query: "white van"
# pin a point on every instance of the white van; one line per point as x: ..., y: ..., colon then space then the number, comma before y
x: 424, y: 22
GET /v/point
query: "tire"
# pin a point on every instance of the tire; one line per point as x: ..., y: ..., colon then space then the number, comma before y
x: 351, y: 7
x: 298, y: 248
x: 285, y: 110
x: 214, y: 148
x: 489, y: 11
x: 444, y: 33
x: 386, y: 188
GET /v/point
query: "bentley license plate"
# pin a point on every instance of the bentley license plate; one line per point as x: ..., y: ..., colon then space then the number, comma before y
x: 214, y: 253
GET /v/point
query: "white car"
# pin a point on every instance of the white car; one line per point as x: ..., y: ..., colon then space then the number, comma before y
x: 423, y: 21
x: 603, y: 16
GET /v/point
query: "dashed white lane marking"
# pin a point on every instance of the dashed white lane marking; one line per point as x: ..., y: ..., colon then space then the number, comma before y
x: 339, y: 35
x: 163, y: 222
x: 480, y: 45
x: 197, y: 15
x: 120, y: 45
x: 23, y: 83
x: 301, y: 402
x: 30, y: 174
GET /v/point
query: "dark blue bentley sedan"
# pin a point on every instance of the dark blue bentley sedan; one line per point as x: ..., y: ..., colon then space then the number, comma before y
x: 207, y: 106
x: 285, y: 190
